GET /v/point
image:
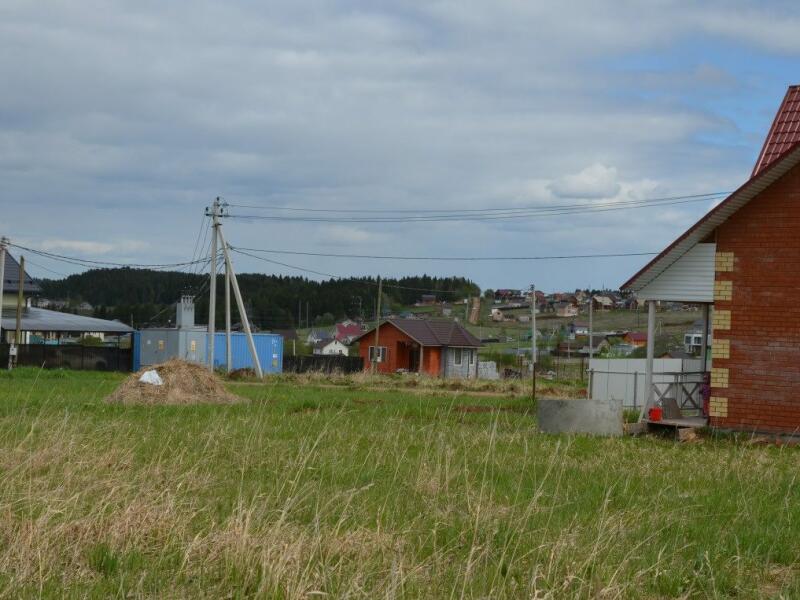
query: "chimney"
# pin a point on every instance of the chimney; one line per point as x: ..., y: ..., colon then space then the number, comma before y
x: 184, y: 314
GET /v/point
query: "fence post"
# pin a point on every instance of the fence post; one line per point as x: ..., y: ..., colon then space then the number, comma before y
x: 635, y: 387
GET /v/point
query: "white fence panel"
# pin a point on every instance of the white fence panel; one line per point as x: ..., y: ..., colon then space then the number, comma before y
x: 623, y: 378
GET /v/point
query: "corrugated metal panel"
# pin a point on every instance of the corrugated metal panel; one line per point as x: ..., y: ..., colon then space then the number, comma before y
x: 269, y: 348
x: 688, y: 279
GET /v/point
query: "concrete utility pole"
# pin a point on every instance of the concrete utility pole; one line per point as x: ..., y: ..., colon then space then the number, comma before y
x: 377, y: 327
x: 228, y: 354
x: 3, y: 244
x: 533, y: 343
x: 212, y: 292
x: 591, y: 327
x: 20, y: 301
x: 240, y: 304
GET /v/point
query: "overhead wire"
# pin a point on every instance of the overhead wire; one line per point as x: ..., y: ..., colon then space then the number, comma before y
x: 499, y: 214
x: 338, y: 277
x: 463, y: 210
x: 448, y: 258
x: 99, y: 263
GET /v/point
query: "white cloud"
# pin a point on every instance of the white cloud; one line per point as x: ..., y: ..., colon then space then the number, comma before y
x: 145, y: 117
x: 593, y: 182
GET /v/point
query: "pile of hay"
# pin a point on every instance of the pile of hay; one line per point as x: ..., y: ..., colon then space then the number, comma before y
x: 184, y: 383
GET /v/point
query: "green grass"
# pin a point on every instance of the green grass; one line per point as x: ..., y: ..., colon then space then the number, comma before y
x: 312, y: 492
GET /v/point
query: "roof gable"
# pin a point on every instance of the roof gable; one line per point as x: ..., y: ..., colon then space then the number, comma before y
x: 785, y: 130
x: 714, y: 218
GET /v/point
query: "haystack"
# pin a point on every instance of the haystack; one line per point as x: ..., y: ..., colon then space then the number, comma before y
x: 184, y: 383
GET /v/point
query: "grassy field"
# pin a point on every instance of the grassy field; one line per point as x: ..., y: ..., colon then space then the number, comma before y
x: 303, y: 491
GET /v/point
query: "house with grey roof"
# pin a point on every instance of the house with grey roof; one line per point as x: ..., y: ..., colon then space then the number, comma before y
x: 436, y: 347
x: 39, y: 325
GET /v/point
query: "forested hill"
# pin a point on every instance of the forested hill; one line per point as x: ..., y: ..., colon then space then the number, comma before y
x: 272, y: 301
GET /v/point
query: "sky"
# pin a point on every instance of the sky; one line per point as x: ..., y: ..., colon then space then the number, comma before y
x: 121, y: 121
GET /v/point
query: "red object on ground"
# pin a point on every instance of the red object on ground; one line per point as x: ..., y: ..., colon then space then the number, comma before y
x: 655, y: 413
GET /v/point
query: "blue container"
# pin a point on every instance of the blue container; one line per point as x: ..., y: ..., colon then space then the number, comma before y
x: 136, y: 342
x: 269, y: 347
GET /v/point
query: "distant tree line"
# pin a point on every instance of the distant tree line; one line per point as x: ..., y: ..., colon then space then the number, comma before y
x: 146, y: 297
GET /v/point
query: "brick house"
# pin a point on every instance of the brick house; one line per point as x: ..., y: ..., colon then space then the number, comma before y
x: 743, y: 259
x: 435, y: 347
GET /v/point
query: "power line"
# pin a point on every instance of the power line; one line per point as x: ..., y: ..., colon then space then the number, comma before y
x: 94, y: 263
x: 532, y: 212
x: 463, y: 210
x: 450, y: 258
x: 338, y: 277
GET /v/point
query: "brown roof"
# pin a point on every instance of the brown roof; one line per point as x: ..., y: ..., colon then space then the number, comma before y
x: 785, y: 130
x: 433, y: 332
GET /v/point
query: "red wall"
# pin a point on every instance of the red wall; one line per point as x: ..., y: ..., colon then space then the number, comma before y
x: 763, y: 367
x: 397, y: 355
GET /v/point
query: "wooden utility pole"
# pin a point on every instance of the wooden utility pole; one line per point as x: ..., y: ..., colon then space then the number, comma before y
x: 376, y: 352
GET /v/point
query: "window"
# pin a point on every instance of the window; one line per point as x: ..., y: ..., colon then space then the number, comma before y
x: 457, y: 356
x: 472, y: 357
x: 381, y: 354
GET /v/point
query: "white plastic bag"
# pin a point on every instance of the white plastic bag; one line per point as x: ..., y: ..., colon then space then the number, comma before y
x: 152, y: 377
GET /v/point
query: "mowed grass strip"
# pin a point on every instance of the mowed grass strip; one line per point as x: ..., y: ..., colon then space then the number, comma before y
x: 306, y: 492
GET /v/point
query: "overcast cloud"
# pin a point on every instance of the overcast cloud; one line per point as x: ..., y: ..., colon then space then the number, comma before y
x: 119, y: 123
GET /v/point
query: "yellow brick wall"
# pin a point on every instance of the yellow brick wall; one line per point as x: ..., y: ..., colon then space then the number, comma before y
x: 723, y: 291
x: 720, y: 349
x: 721, y: 320
x: 723, y: 262
x: 719, y: 377
x: 717, y: 406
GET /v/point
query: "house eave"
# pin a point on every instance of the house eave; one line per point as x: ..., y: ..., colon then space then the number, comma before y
x: 713, y: 219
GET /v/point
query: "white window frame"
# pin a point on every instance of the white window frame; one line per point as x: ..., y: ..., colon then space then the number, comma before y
x: 458, y: 356
x: 381, y: 354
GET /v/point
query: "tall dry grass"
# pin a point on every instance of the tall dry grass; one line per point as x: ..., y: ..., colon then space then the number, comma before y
x: 306, y: 493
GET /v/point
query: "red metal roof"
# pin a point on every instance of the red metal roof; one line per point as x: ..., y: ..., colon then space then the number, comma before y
x: 785, y: 130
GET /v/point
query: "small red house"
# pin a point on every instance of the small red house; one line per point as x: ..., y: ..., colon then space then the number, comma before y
x: 436, y: 347
x: 742, y: 261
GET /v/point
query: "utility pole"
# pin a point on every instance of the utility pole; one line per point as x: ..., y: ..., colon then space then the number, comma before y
x: 533, y: 343
x: 240, y: 305
x: 228, y: 354
x: 212, y: 293
x: 3, y: 244
x: 591, y: 329
x: 20, y: 300
x: 376, y: 352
